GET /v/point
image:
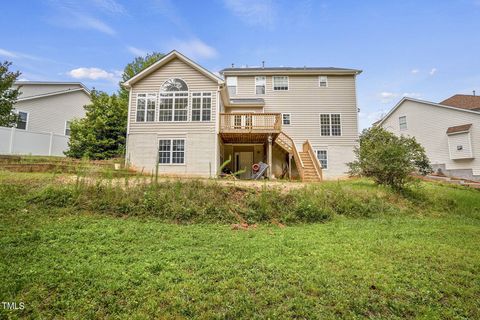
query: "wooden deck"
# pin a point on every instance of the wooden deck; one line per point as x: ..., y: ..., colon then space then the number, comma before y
x: 249, y: 127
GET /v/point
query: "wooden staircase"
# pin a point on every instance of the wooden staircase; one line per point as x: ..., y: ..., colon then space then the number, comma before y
x: 308, y: 166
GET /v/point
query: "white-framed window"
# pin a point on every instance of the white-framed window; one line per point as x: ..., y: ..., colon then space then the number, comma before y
x: 402, y: 121
x: 232, y: 85
x: 201, y: 106
x: 280, y: 83
x: 260, y: 84
x: 173, y: 106
x: 322, y: 156
x: 146, y: 104
x: 330, y: 124
x: 22, y: 121
x: 286, y: 118
x: 171, y: 151
x: 67, y: 128
x: 323, y: 81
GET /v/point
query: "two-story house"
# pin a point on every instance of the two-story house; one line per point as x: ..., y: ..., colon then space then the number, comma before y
x: 186, y: 120
x: 449, y: 131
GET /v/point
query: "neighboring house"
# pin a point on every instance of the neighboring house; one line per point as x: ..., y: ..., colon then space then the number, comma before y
x: 45, y: 110
x: 50, y: 106
x: 449, y: 131
x: 187, y: 120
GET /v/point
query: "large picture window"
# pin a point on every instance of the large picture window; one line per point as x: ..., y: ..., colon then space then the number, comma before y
x: 171, y: 151
x: 201, y: 106
x: 330, y: 124
x: 173, y: 104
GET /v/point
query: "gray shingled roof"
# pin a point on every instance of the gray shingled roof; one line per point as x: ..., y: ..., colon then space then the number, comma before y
x: 290, y: 69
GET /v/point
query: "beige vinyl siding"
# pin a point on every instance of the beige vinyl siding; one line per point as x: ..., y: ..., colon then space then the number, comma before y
x: 201, y: 136
x: 429, y: 123
x: 49, y: 114
x: 305, y: 101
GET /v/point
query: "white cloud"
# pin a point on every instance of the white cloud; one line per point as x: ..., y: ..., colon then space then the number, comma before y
x: 88, y: 22
x: 253, y: 12
x: 194, y: 48
x: 415, y: 71
x: 136, y: 51
x: 18, y: 55
x: 433, y: 71
x: 110, y: 6
x: 8, y: 54
x: 93, y: 74
x: 81, y: 15
x: 386, y: 97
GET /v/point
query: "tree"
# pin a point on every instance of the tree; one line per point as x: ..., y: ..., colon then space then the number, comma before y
x: 388, y: 159
x: 135, y: 67
x: 8, y: 95
x: 102, y: 132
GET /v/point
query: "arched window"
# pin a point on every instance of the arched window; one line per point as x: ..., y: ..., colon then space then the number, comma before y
x: 173, y: 101
x: 174, y: 84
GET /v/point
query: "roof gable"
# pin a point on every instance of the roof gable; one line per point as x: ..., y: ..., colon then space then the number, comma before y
x: 166, y: 59
x: 380, y: 122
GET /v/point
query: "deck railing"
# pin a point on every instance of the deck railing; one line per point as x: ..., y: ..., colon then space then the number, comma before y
x: 250, y: 122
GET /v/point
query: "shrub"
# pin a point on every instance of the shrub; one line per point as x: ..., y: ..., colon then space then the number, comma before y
x: 388, y: 159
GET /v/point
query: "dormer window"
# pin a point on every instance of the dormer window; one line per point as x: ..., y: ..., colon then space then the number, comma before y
x: 260, y: 83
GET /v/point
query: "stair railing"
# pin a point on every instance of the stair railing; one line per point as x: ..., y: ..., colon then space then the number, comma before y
x: 307, y: 147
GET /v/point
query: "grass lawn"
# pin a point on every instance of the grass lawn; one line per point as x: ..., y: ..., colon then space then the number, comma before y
x: 63, y: 262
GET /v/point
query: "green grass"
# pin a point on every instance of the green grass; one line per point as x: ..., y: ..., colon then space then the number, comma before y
x: 417, y: 258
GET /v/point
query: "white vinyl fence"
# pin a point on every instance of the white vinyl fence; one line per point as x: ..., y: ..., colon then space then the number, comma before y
x: 23, y: 142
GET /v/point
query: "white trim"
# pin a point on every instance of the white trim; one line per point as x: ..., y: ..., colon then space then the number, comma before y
x: 167, y: 58
x: 289, y: 119
x: 273, y: 83
x: 424, y: 102
x: 171, y: 151
x: 330, y: 124
x: 53, y: 94
x: 26, y: 121
x: 319, y: 78
x: 255, y: 86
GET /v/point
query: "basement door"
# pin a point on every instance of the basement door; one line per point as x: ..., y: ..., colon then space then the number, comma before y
x: 244, y: 160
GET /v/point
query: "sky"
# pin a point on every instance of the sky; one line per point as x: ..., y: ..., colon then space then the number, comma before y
x: 422, y: 49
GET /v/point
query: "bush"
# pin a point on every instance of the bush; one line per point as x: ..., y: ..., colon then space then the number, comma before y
x: 388, y: 159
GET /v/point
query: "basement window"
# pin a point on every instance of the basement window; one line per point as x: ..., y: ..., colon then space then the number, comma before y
x: 171, y: 151
x: 322, y: 156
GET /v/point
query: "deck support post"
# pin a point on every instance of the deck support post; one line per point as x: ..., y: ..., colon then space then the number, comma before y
x: 289, y: 166
x: 269, y: 157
